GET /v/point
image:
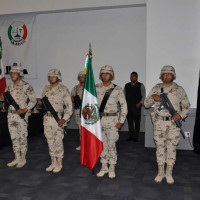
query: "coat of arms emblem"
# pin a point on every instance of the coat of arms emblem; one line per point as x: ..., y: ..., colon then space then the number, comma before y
x: 90, y: 113
x: 17, y: 33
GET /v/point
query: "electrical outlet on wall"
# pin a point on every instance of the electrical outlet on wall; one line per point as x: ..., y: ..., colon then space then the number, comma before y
x: 187, y: 134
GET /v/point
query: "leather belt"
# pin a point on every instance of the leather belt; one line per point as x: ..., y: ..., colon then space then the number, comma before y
x: 164, y: 118
x: 108, y: 114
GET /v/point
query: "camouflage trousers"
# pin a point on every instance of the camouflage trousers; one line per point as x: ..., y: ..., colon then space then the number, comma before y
x: 18, y: 133
x: 167, y: 137
x: 54, y: 136
x: 78, y: 119
x: 110, y: 136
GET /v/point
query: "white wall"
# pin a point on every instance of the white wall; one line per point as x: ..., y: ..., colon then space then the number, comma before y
x: 38, y: 6
x: 117, y: 37
x: 173, y: 35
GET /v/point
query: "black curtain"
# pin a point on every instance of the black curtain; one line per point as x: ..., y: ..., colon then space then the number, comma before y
x: 196, y: 135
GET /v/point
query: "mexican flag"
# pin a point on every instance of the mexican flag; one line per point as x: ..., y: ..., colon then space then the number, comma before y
x: 2, y: 75
x: 91, y: 137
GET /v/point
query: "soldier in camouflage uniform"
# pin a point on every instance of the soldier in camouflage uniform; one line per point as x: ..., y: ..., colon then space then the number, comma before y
x: 112, y: 119
x: 24, y: 96
x: 60, y: 99
x: 166, y: 134
x: 76, y: 96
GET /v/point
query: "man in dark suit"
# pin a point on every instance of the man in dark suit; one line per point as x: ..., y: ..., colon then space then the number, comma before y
x: 135, y: 94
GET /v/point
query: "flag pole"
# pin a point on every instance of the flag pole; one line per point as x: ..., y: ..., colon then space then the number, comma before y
x: 1, y: 68
x: 90, y: 53
x: 90, y: 48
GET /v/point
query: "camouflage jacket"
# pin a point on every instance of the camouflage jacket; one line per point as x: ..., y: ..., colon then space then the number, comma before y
x: 116, y: 98
x: 23, y: 94
x: 60, y: 99
x: 77, y: 90
x: 176, y: 95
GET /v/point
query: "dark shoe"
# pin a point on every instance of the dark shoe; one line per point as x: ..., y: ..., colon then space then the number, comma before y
x: 135, y: 139
x: 197, y: 151
x: 129, y: 139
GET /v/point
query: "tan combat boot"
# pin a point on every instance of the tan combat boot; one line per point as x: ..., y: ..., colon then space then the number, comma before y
x: 103, y: 171
x: 58, y: 166
x: 112, y: 171
x: 52, y: 165
x: 15, y: 161
x: 169, y: 177
x: 160, y: 174
x: 22, y: 161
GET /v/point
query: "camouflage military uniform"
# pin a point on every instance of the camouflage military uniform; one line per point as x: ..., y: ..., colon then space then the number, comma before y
x: 59, y: 97
x: 111, y: 116
x: 77, y: 90
x: 110, y: 133
x: 166, y: 134
x: 24, y: 96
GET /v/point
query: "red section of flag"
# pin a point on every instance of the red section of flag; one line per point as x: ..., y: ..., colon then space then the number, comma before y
x: 91, y: 148
x: 2, y: 85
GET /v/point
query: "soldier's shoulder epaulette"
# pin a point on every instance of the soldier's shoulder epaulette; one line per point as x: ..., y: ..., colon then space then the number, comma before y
x: 25, y: 84
x: 177, y: 86
x: 63, y: 87
x: 158, y: 85
x: 117, y: 87
x: 98, y: 85
x: 46, y: 87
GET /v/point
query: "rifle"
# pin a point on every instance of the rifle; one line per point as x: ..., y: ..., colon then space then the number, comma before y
x: 10, y: 101
x: 168, y: 105
x: 48, y: 107
x: 77, y: 102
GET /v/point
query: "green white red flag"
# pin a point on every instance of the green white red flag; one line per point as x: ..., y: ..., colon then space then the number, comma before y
x: 91, y: 137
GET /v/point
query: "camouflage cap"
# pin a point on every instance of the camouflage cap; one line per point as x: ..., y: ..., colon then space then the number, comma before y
x: 168, y: 69
x: 15, y: 68
x: 56, y: 73
x: 81, y: 74
x: 107, y: 69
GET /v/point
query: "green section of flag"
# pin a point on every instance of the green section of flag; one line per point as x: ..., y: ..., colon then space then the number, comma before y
x: 89, y: 78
